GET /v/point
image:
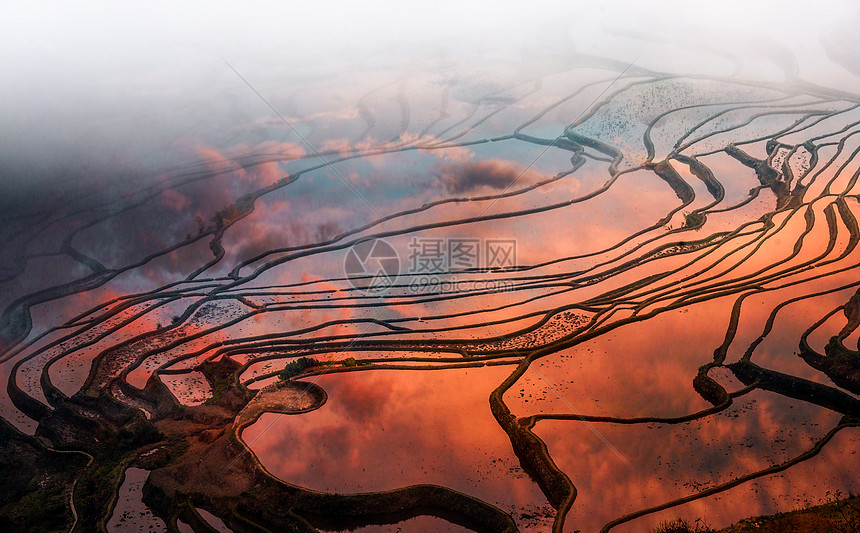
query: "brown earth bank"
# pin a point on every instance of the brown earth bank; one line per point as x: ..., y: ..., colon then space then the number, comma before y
x: 838, y: 515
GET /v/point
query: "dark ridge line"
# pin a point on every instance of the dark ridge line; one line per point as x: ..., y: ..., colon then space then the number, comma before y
x: 558, y: 103
x: 735, y: 482
x: 797, y: 248
x: 476, y: 105
x: 530, y: 421
x: 492, y: 114
x: 787, y: 111
x: 594, y: 108
x: 235, y: 271
x: 646, y: 137
x: 750, y: 121
x: 217, y: 250
x: 720, y: 353
x: 540, y: 352
x: 397, y: 345
x: 420, y: 227
x: 607, y: 306
x: 279, y: 338
x: 815, y: 123
x: 738, y: 106
x: 442, y: 363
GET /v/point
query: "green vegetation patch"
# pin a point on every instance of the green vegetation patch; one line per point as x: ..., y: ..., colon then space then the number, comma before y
x: 294, y: 368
